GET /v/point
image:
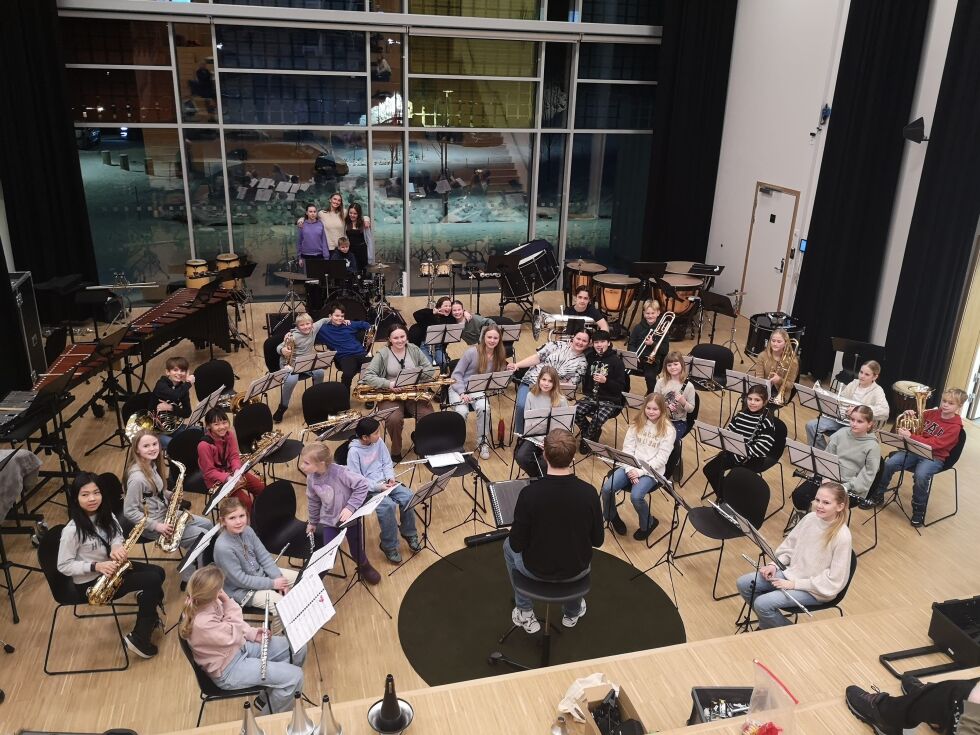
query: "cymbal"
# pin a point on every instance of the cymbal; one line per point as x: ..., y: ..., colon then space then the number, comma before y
x: 453, y: 262
x: 290, y: 275
x: 378, y: 268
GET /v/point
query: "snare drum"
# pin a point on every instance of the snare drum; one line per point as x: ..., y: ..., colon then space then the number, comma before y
x: 195, y: 273
x: 427, y: 269
x: 685, y: 287
x: 615, y: 293
x: 580, y: 273
x: 226, y: 261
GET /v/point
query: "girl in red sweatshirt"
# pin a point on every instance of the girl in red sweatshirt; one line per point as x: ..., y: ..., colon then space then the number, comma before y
x: 218, y: 458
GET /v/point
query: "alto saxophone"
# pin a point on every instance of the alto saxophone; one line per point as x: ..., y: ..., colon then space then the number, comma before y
x: 175, y: 517
x: 266, y: 440
x: 106, y: 586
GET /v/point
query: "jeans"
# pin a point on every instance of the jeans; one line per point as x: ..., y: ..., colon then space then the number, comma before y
x: 638, y: 494
x: 515, y: 560
x: 768, y: 600
x: 924, y: 469
x: 522, y: 390
x: 479, y: 405
x: 680, y: 427
x: 435, y: 354
x: 399, y: 497
x: 283, y: 679
x: 289, y: 385
x: 818, y: 428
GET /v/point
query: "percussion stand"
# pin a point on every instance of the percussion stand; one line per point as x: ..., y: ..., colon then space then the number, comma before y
x: 736, y: 308
x: 113, y: 394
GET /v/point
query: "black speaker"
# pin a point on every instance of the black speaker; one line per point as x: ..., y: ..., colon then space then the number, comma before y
x: 27, y: 323
x: 915, y: 131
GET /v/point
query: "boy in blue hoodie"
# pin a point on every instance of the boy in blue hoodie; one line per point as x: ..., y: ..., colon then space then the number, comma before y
x: 340, y: 335
x: 369, y: 456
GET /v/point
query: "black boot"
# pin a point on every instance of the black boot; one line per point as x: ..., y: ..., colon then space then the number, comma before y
x: 139, y: 640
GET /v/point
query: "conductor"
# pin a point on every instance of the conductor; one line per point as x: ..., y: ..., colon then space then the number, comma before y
x: 557, y: 522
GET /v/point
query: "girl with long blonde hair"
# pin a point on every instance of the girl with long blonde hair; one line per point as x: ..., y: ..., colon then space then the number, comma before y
x: 778, y: 363
x: 545, y: 393
x: 677, y: 391
x: 486, y: 356
x: 650, y: 439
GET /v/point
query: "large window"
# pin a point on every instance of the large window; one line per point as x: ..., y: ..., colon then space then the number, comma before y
x: 120, y: 42
x: 520, y: 9
x: 301, y: 49
x: 134, y: 193
x: 471, y: 103
x: 195, y: 73
x: 284, y: 99
x: 121, y: 95
x: 472, y: 57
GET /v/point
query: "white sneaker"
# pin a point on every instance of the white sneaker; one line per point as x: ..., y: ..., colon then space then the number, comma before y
x: 526, y: 619
x: 484, y: 451
x: 570, y: 622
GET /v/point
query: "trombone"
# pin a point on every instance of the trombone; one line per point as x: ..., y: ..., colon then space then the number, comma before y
x: 659, y: 334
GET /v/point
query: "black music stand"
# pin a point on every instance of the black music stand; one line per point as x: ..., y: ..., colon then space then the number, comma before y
x: 724, y: 440
x: 440, y: 335
x: 110, y: 391
x: 489, y: 385
x: 541, y: 420
x: 738, y: 382
x: 617, y: 460
x: 424, y: 496
x: 909, y: 446
x: 824, y: 405
x: 859, y: 352
x: 668, y: 556
x: 720, y: 304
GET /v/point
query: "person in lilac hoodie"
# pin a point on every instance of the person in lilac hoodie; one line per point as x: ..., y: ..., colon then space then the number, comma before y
x: 333, y: 493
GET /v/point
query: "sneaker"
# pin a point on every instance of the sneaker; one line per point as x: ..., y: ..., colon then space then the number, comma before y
x: 864, y: 706
x: 414, y: 543
x: 140, y: 646
x: 618, y: 525
x: 871, y: 502
x: 569, y: 622
x: 918, y: 518
x: 260, y: 706
x: 396, y: 457
x: 369, y: 574
x: 278, y: 415
x: 392, y: 555
x: 641, y: 535
x: 911, y: 684
x: 525, y: 619
x: 484, y: 451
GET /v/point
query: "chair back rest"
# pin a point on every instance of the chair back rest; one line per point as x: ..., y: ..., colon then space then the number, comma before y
x: 955, y: 452
x: 779, y: 444
x: 211, y: 375
x: 183, y: 447
x: 748, y: 493
x: 269, y: 353
x: 320, y: 401
x: 112, y: 491
x: 204, y: 682
x: 693, y: 416
x: 341, y: 452
x: 273, y: 507
x: 138, y: 402
x: 436, y: 433
x: 62, y: 588
x: 724, y: 358
x: 673, y: 459
x: 839, y: 597
x: 251, y: 422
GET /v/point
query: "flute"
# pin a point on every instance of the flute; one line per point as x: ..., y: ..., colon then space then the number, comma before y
x: 264, y: 663
x: 276, y: 560
x: 785, y: 592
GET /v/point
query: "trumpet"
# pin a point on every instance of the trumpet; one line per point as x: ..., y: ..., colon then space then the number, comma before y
x: 659, y: 334
x: 418, y: 392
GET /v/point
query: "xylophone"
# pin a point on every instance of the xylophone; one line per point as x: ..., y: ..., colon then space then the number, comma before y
x: 80, y: 357
x: 182, y: 316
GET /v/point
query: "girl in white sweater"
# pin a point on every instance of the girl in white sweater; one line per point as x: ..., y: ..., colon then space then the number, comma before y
x: 677, y: 391
x: 650, y: 439
x: 817, y: 557
x: 865, y: 390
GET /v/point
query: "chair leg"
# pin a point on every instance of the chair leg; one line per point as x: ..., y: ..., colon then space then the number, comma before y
x: 956, y: 498
x: 714, y: 586
x: 122, y: 644
x: 782, y: 489
x: 200, y: 712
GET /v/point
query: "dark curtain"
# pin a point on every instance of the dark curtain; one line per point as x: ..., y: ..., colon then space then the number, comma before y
x: 939, y: 249
x: 852, y: 210
x: 42, y: 183
x: 15, y: 371
x: 688, y: 118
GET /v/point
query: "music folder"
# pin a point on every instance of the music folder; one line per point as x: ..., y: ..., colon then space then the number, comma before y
x: 503, y: 500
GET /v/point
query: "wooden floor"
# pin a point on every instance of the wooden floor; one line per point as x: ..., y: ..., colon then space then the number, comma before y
x: 160, y: 695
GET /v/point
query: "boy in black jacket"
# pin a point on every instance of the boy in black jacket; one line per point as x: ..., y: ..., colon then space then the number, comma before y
x: 173, y: 392
x: 602, y: 388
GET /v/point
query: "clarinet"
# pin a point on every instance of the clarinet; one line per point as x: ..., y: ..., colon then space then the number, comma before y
x: 264, y: 664
x: 670, y: 396
x: 758, y: 427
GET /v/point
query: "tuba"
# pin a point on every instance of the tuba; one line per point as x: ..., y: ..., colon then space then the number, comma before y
x: 175, y: 517
x: 106, y: 586
x: 914, y: 422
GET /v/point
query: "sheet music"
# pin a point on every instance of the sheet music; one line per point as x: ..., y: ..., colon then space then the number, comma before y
x: 226, y: 488
x: 202, y: 544
x: 370, y: 505
x: 304, y: 610
x: 323, y: 558
x: 445, y: 460
x: 197, y: 415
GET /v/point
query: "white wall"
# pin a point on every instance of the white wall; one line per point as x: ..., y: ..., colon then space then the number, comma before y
x: 923, y: 105
x: 784, y: 64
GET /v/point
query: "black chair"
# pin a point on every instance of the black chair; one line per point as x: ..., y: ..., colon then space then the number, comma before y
x: 183, y: 449
x: 138, y: 402
x: 211, y: 692
x: 440, y: 433
x: 724, y: 360
x: 691, y: 418
x: 950, y: 464
x: 772, y: 460
x: 341, y: 452
x: 269, y: 353
x: 211, y: 375
x: 251, y: 423
x: 322, y: 401
x: 65, y: 594
x: 833, y: 604
x: 550, y: 593
x: 748, y: 494
x: 275, y: 523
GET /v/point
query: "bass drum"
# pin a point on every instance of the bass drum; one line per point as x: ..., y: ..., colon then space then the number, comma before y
x: 537, y: 269
x: 761, y: 326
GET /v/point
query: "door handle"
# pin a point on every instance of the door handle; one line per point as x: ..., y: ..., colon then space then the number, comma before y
x: 779, y: 268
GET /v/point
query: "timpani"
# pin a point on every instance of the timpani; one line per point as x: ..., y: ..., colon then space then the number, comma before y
x: 580, y: 273
x: 615, y: 294
x: 685, y: 286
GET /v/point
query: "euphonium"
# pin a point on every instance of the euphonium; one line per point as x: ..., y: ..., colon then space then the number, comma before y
x: 139, y: 421
x: 106, y: 586
x: 914, y: 422
x: 418, y: 392
x: 237, y: 401
x: 175, y: 517
x: 659, y: 333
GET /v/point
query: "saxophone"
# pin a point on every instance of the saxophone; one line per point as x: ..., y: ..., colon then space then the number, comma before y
x: 175, y: 517
x: 266, y: 440
x: 418, y: 392
x: 332, y: 420
x: 106, y: 586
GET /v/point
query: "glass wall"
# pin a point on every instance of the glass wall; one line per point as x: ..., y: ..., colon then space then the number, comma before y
x: 219, y: 144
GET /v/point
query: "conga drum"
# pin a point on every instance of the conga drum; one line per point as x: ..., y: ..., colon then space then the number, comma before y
x: 226, y: 261
x: 195, y: 273
x: 685, y: 287
x: 615, y: 294
x: 580, y: 273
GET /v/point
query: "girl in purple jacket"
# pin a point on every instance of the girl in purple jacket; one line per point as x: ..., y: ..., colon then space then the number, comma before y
x: 333, y: 493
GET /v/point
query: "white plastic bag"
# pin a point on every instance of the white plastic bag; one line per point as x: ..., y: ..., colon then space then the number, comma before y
x: 772, y: 709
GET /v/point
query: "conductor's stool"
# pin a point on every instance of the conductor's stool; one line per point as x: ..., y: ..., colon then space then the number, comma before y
x: 550, y: 593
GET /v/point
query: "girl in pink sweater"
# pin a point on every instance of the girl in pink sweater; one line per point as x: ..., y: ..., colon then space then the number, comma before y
x: 229, y: 650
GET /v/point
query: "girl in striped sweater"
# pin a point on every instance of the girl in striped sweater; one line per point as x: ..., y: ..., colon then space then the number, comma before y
x: 752, y: 422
